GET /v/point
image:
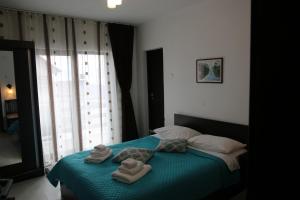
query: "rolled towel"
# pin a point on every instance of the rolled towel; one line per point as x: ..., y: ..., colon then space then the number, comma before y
x: 97, y: 153
x: 123, y: 169
x: 100, y: 147
x: 98, y: 159
x: 125, y: 178
x: 129, y: 163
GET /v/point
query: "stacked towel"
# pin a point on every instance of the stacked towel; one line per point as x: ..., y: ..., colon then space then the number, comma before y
x: 100, y: 147
x: 98, y: 154
x: 129, y: 163
x: 130, y: 171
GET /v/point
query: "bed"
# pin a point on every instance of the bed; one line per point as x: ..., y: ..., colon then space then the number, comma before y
x: 191, y: 175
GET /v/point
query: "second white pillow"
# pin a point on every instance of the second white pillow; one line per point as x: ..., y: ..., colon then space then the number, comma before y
x: 215, y: 143
x: 176, y: 132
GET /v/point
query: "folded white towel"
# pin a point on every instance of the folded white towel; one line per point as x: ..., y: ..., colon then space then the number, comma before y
x: 99, y: 153
x: 98, y: 159
x: 100, y: 147
x: 129, y: 163
x: 125, y: 178
x: 123, y: 169
x: 95, y: 155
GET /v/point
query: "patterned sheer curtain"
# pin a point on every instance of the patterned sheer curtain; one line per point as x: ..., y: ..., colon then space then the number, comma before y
x: 97, y: 85
x: 79, y: 96
x: 33, y: 30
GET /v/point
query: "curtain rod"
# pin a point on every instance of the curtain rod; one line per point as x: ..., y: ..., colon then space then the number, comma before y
x: 68, y: 16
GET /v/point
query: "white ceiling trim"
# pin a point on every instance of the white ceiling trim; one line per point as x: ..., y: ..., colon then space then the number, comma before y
x: 130, y: 12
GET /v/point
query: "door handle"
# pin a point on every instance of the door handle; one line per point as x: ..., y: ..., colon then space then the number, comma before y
x: 152, y: 96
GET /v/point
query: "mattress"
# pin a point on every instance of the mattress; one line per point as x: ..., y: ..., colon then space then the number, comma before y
x: 176, y: 176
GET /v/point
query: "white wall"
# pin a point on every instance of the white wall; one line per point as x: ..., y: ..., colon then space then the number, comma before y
x: 209, y: 28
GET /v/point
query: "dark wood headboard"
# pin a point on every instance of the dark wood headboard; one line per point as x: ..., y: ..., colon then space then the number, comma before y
x: 11, y: 106
x: 207, y: 126
x: 234, y: 131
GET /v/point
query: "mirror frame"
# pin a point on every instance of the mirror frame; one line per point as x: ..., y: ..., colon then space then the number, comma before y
x: 27, y: 98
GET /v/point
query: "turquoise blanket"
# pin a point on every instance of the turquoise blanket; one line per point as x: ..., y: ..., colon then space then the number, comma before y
x: 176, y: 176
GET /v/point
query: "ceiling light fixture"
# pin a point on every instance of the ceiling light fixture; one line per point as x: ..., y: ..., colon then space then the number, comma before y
x: 113, y: 3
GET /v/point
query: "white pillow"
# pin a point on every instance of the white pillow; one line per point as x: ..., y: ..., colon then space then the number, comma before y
x: 176, y: 132
x: 215, y: 143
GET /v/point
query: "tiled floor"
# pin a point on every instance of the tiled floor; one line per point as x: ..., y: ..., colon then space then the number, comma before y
x: 41, y: 189
x: 35, y: 189
x: 10, y: 149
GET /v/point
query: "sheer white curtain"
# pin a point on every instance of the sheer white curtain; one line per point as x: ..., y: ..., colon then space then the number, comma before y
x: 79, y: 97
x: 97, y: 85
x: 62, y: 82
x: 33, y: 30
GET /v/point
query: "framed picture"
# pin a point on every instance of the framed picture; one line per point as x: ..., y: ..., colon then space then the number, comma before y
x: 209, y: 70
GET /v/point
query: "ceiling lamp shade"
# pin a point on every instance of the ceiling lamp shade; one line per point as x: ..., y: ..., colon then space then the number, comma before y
x: 113, y: 3
x: 118, y: 2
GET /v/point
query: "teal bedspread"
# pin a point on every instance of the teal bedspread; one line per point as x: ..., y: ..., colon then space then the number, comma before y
x: 176, y: 176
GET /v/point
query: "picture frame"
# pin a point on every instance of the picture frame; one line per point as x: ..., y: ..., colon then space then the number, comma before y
x: 209, y: 70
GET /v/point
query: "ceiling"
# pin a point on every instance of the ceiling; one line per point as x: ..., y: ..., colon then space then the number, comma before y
x: 130, y: 12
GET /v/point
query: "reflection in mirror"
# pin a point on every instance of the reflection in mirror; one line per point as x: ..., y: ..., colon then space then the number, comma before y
x: 10, y: 145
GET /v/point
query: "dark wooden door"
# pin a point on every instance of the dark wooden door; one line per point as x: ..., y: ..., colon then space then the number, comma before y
x: 271, y: 101
x: 155, y: 88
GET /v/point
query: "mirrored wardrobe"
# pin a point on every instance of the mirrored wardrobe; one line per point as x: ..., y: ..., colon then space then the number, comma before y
x: 20, y: 140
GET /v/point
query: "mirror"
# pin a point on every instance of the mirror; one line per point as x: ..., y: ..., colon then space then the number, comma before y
x: 10, y: 145
x: 21, y: 155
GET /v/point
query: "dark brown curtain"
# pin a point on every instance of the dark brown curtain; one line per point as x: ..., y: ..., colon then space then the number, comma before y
x: 121, y: 37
